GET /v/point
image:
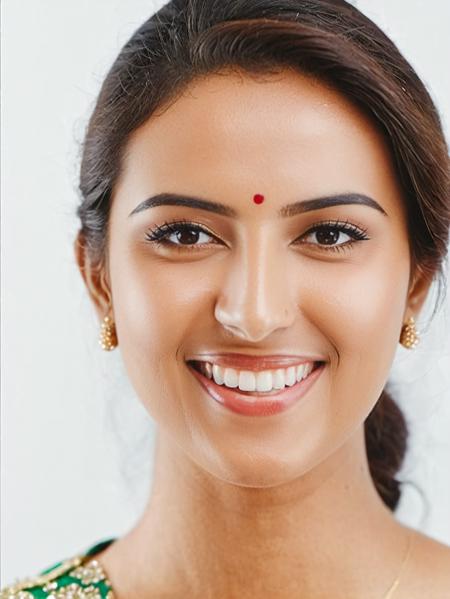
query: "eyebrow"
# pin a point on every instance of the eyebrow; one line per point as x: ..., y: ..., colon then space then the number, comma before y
x: 173, y: 199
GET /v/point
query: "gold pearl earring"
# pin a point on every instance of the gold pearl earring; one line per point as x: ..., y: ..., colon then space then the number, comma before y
x: 409, y: 337
x: 108, y: 335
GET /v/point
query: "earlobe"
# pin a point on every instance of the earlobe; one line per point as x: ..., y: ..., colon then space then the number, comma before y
x: 94, y: 276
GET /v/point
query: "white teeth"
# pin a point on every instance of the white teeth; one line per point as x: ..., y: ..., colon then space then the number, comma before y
x: 300, y: 372
x: 291, y: 376
x: 308, y: 369
x: 247, y: 380
x: 217, y: 373
x: 231, y: 377
x: 278, y: 378
x: 207, y: 369
x: 262, y: 381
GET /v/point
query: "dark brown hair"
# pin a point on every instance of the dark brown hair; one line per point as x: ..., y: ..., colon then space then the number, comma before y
x: 328, y: 39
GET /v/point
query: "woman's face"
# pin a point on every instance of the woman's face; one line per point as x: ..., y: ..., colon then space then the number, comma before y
x: 257, y: 283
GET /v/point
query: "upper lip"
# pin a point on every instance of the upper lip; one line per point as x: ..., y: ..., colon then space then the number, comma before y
x: 247, y: 362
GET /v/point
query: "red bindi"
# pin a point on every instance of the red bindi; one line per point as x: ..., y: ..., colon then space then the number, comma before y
x: 258, y: 198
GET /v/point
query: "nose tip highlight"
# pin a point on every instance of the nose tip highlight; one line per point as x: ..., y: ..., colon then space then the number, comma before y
x: 250, y: 325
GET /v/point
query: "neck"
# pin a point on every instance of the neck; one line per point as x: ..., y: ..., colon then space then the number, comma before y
x: 326, y: 533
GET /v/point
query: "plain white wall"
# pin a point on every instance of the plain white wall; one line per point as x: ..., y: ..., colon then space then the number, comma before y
x: 73, y: 434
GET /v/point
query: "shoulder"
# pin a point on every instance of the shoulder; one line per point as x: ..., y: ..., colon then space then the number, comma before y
x: 429, y: 571
x: 77, y: 576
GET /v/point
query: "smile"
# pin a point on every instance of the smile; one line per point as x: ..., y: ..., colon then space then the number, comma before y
x: 228, y: 388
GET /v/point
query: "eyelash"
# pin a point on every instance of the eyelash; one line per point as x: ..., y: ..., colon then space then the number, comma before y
x: 158, y: 235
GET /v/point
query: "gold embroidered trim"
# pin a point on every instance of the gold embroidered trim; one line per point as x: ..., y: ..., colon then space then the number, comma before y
x: 42, y: 579
x: 86, y: 569
x: 90, y: 573
x: 75, y: 591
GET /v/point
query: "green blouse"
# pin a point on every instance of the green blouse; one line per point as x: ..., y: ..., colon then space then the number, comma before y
x: 79, y: 577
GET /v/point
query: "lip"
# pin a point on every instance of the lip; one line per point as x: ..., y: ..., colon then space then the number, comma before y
x: 255, y: 363
x: 258, y: 405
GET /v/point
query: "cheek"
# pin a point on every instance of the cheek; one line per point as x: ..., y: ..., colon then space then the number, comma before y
x: 362, y: 318
x: 157, y: 307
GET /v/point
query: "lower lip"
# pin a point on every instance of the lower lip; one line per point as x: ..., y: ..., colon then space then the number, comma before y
x: 258, y: 405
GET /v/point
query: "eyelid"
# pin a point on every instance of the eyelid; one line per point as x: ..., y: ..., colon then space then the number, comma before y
x: 159, y: 233
x: 169, y: 226
x: 348, y: 227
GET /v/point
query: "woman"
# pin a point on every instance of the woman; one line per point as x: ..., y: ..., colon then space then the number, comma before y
x: 265, y: 204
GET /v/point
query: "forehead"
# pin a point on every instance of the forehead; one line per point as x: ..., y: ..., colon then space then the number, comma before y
x: 286, y: 131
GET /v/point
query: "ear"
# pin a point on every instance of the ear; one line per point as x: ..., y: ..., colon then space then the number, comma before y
x: 95, y: 277
x: 418, y: 292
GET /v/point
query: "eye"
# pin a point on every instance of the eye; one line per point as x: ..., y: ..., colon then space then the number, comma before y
x: 185, y: 233
x: 327, y: 234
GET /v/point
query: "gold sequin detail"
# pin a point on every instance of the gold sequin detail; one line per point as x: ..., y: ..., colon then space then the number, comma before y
x: 88, y: 573
x: 75, y: 591
x: 39, y: 580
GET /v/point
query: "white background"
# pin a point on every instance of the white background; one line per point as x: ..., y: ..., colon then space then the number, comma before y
x: 76, y: 445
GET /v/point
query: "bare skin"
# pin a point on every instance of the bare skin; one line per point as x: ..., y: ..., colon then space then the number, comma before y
x: 269, y: 507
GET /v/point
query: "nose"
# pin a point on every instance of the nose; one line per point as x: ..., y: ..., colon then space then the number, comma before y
x: 256, y: 296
